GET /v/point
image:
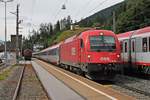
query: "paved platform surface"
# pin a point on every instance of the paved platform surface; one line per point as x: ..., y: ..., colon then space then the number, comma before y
x: 55, y: 88
x: 24, y: 62
x: 88, y: 89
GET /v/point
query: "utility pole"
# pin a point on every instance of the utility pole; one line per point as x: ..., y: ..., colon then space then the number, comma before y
x: 5, y: 34
x: 114, y: 21
x: 5, y: 2
x: 17, y: 34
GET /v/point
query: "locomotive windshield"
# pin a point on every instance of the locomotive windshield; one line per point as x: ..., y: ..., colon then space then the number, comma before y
x: 102, y: 43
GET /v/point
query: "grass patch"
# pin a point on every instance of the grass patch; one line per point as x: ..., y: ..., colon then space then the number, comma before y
x: 68, y: 33
x: 5, y: 74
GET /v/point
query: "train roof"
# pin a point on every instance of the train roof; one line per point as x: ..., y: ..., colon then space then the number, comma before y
x: 97, y: 31
x: 49, y: 48
x: 126, y: 34
x: 91, y: 31
x: 135, y: 32
x: 143, y: 30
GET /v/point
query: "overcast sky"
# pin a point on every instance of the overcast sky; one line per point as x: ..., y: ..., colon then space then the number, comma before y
x: 41, y: 11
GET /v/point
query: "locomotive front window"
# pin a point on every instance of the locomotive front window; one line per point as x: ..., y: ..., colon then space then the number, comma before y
x: 102, y: 43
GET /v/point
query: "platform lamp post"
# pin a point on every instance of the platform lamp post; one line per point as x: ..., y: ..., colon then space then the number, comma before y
x: 5, y: 2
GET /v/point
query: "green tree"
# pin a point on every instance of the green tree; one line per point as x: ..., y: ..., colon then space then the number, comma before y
x: 57, y: 27
x: 136, y: 15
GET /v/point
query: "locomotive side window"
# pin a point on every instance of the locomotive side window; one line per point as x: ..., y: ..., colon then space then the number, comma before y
x: 144, y: 43
x: 82, y: 44
x: 125, y: 47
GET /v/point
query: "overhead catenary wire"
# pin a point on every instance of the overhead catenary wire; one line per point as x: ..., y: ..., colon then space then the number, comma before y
x: 85, y: 5
x: 55, y: 16
x: 33, y: 5
x: 59, y: 10
x: 101, y: 3
x: 33, y: 8
x: 18, y: 1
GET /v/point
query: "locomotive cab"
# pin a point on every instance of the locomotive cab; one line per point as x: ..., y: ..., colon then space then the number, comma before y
x: 100, y: 53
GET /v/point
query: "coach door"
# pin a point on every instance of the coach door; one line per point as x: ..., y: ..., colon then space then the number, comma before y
x: 125, y: 50
x: 82, y: 51
x: 133, y: 50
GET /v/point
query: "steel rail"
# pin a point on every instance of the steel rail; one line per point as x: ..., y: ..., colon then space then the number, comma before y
x: 19, y: 84
x: 134, y: 89
x: 1, y: 64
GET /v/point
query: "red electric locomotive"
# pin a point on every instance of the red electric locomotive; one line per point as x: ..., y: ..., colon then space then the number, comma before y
x: 95, y: 53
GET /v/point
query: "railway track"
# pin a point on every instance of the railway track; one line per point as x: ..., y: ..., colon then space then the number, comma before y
x: 137, y: 87
x: 28, y: 86
x: 134, y: 89
x: 1, y: 64
x: 9, y: 80
x: 19, y: 84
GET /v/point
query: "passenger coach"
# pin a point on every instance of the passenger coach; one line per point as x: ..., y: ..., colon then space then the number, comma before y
x: 136, y: 49
x: 50, y: 54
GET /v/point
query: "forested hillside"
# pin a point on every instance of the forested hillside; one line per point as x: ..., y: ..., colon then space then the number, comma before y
x: 130, y: 15
x: 103, y: 18
x: 135, y: 16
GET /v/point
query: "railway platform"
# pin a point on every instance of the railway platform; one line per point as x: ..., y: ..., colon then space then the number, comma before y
x: 63, y: 85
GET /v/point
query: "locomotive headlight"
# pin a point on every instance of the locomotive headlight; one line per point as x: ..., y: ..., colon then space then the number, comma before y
x: 89, y: 56
x: 101, y: 33
x: 118, y: 56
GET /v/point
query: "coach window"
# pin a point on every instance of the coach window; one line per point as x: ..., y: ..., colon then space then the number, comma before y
x: 144, y: 42
x: 82, y: 44
x: 125, y: 47
x: 53, y: 52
